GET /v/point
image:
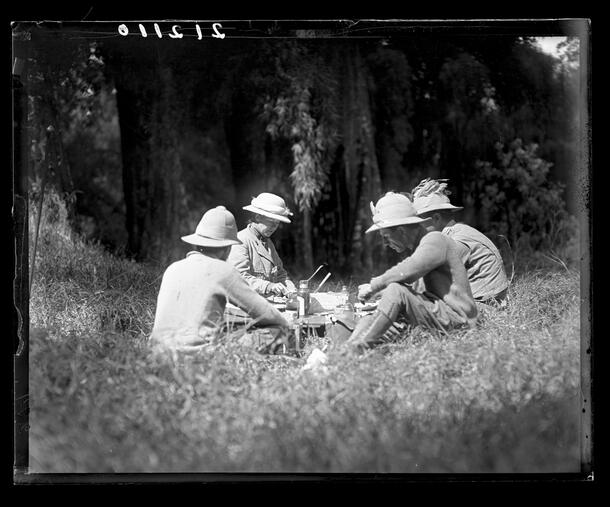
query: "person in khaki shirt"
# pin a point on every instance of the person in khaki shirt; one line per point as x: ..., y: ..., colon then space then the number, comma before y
x: 446, y: 300
x: 255, y: 257
x: 195, y: 290
x: 480, y: 256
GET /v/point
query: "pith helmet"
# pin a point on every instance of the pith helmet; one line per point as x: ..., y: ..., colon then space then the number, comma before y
x: 270, y: 205
x: 394, y: 209
x: 432, y: 195
x: 216, y: 228
x: 434, y: 202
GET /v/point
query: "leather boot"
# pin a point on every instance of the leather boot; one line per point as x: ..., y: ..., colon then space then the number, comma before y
x: 368, y: 331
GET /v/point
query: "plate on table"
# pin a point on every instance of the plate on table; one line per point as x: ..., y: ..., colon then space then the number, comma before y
x: 369, y: 306
x: 276, y: 300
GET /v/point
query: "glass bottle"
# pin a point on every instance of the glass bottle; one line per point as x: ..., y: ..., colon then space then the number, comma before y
x: 345, y: 298
x: 345, y: 309
x: 303, y: 298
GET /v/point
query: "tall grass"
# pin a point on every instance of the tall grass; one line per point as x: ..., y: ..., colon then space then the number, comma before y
x: 79, y: 287
x: 500, y: 398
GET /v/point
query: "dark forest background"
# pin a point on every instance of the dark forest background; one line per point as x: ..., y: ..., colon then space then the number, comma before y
x: 142, y: 135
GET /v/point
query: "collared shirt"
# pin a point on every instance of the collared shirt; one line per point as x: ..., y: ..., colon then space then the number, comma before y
x: 482, y: 260
x: 257, y: 260
x: 192, y: 299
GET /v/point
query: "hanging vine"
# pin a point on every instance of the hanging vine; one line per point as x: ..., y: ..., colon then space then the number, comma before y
x: 303, y: 112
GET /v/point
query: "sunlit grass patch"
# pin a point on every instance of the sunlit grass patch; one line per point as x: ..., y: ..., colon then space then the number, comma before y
x: 78, y: 287
x: 471, y: 402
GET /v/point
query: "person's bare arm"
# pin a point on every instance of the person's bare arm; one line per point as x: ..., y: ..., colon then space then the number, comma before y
x: 431, y: 253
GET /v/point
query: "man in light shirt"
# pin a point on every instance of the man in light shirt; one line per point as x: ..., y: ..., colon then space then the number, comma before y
x: 480, y: 256
x: 195, y: 290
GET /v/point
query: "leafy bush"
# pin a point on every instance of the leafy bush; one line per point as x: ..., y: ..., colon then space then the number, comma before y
x: 517, y: 200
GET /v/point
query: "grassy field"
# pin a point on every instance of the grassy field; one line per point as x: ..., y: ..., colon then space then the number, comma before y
x: 501, y: 398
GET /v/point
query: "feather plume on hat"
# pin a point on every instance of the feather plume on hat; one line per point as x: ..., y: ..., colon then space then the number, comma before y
x: 432, y: 195
x: 430, y: 186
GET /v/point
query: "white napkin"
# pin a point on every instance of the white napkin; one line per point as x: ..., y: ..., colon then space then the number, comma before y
x: 316, y: 359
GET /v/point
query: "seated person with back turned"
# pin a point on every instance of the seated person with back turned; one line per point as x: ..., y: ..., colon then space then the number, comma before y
x: 484, y: 265
x: 445, y: 303
x: 255, y: 257
x: 194, y: 292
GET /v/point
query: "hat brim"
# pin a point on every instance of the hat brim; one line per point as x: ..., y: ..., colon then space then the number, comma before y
x: 439, y: 207
x: 260, y: 211
x: 393, y: 223
x: 196, y: 239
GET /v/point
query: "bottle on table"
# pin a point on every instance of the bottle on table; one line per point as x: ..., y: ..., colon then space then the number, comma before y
x: 345, y: 309
x: 303, y: 298
x: 345, y: 298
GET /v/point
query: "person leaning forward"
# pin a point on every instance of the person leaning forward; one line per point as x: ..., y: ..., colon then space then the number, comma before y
x: 194, y: 292
x: 446, y: 302
x: 255, y: 257
x: 482, y: 259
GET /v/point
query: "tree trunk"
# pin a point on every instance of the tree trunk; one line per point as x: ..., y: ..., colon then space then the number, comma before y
x: 64, y: 175
x: 245, y: 139
x: 56, y: 160
x: 363, y: 183
x: 150, y: 124
x: 307, y: 248
x: 391, y: 162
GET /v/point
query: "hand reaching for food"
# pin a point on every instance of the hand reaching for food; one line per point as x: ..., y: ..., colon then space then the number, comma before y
x: 365, y: 291
x: 278, y: 289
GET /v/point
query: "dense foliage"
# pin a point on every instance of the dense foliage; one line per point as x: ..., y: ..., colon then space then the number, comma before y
x: 518, y: 200
x: 328, y: 124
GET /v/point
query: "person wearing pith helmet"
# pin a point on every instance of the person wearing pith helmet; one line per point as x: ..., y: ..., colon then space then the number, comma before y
x: 194, y: 291
x: 445, y: 303
x: 256, y: 257
x: 481, y: 257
